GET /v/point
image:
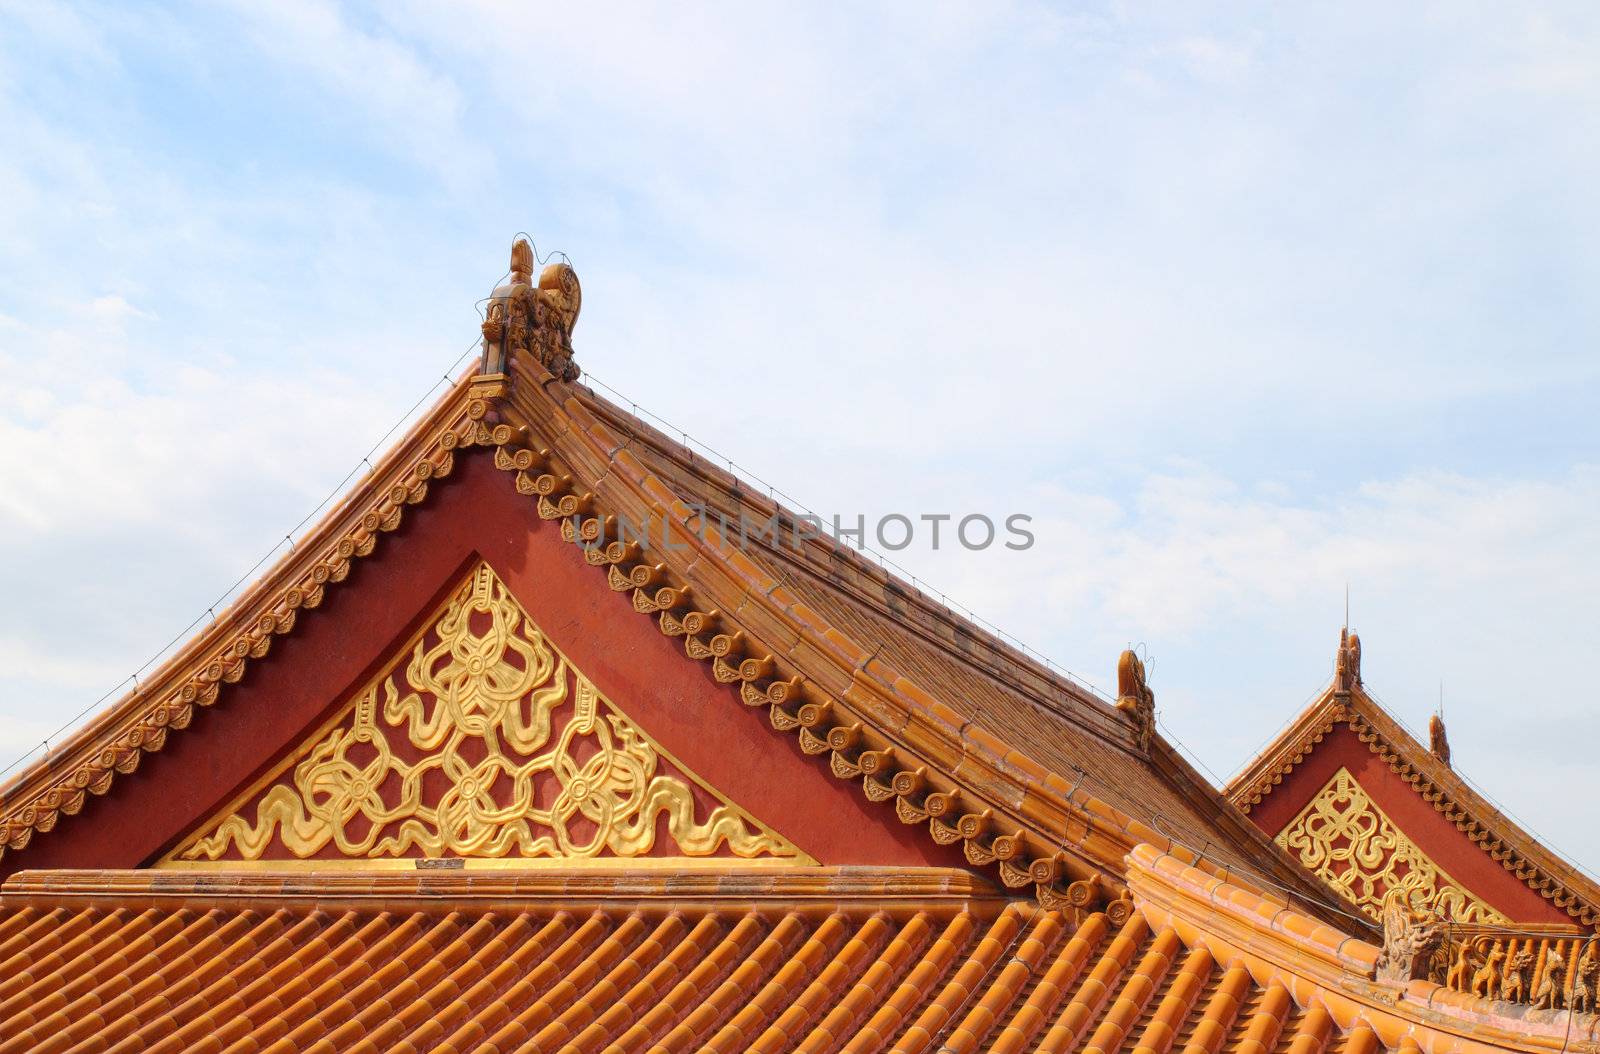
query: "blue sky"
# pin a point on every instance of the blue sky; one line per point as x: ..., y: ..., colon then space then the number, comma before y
x: 1241, y: 304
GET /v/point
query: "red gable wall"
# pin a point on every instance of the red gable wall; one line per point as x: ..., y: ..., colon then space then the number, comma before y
x: 1421, y: 822
x: 337, y: 647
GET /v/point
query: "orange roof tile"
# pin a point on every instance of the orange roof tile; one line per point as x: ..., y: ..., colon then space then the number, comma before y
x: 832, y: 960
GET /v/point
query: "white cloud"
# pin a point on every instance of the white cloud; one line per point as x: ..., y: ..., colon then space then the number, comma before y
x: 113, y: 308
x: 374, y: 87
x: 1484, y: 584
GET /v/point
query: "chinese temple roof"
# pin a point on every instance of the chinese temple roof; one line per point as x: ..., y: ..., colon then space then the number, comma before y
x: 1442, y: 814
x: 930, y: 714
x: 471, y: 770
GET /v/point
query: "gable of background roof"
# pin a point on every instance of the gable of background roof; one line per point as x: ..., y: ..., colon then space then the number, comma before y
x: 1346, y: 702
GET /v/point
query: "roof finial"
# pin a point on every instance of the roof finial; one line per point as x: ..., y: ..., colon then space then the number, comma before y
x: 1438, y: 744
x: 1135, y: 698
x: 533, y: 322
x: 1347, y: 664
x: 1409, y: 939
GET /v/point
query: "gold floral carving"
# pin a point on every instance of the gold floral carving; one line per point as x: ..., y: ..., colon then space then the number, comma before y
x: 484, y: 742
x: 1347, y: 840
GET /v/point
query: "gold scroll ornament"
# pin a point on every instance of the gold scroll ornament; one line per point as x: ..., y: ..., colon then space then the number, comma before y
x: 1348, y: 841
x: 513, y: 754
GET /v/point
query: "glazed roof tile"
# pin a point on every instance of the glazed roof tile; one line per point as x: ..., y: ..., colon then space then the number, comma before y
x: 853, y: 960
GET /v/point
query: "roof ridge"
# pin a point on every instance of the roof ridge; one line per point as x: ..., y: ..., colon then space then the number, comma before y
x: 1247, y: 787
x: 870, y: 711
x: 894, y: 890
x: 1078, y: 689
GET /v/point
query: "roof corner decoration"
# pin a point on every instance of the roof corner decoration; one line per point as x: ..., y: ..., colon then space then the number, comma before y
x: 1409, y: 940
x: 1347, y: 665
x: 1135, y: 698
x: 1438, y: 742
x: 480, y: 740
x: 530, y: 320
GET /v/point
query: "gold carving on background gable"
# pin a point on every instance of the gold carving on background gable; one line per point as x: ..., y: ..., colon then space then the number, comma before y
x: 485, y: 743
x: 1350, y: 843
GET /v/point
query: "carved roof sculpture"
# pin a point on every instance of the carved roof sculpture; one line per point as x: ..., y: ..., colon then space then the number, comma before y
x: 470, y: 770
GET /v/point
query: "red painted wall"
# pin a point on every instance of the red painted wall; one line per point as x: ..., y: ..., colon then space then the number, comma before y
x: 336, y: 648
x: 1425, y: 826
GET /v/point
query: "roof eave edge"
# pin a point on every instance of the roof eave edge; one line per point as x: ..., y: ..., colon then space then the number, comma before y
x: 1284, y: 753
x: 1322, y: 966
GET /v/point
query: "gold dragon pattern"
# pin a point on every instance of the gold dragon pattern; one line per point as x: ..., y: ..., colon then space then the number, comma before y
x: 535, y: 763
x: 1348, y: 841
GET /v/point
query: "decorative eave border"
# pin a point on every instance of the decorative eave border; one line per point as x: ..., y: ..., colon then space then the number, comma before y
x: 1408, y: 760
x: 850, y: 573
x: 1582, y: 906
x: 1284, y: 755
x: 116, y: 741
x: 871, y: 724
